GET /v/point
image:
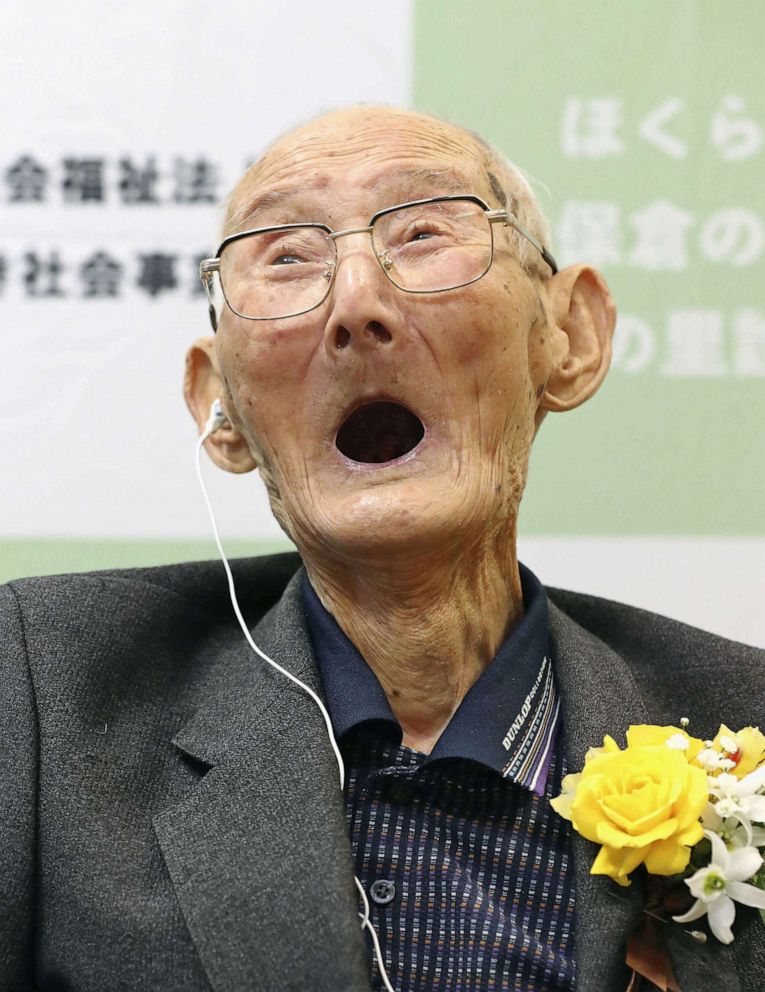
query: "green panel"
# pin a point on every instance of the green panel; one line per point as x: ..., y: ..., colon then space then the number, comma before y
x: 654, y: 452
x: 19, y: 558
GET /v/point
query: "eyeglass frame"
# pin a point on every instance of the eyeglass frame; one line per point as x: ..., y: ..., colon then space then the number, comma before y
x: 208, y: 266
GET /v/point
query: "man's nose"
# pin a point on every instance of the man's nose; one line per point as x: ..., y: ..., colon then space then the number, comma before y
x: 360, y: 311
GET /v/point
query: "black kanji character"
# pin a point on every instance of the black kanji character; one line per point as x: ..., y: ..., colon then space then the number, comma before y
x: 157, y: 273
x: 83, y: 180
x: 26, y: 180
x: 100, y: 275
x: 137, y: 185
x: 41, y: 277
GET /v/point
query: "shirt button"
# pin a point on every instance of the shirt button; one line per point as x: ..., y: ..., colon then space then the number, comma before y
x: 382, y: 891
x: 400, y: 792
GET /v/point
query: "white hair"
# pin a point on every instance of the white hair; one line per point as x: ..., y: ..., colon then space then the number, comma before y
x: 513, y: 187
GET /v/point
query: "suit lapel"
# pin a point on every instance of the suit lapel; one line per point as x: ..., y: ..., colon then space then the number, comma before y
x: 258, y: 850
x: 600, y: 696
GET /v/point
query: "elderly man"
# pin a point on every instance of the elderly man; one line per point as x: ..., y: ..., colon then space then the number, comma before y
x: 391, y: 330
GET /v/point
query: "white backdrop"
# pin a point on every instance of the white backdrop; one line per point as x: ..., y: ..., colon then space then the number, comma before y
x: 171, y: 101
x: 95, y: 383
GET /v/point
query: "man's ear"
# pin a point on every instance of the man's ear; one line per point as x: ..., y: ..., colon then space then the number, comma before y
x: 584, y: 316
x: 202, y: 385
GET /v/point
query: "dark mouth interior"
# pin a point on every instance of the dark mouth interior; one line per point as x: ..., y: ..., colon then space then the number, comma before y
x: 379, y: 432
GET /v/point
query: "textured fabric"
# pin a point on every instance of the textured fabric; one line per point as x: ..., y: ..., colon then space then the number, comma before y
x: 201, y: 843
x: 483, y: 895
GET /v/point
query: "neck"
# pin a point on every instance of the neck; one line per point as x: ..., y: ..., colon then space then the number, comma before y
x: 427, y: 628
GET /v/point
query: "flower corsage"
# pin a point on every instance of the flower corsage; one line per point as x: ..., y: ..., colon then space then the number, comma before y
x: 684, y: 808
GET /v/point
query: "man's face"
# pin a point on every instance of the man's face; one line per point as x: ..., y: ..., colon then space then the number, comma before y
x: 468, y: 364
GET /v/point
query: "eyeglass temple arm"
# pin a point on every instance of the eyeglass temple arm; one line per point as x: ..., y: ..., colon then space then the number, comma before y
x: 496, y: 216
x: 206, y: 268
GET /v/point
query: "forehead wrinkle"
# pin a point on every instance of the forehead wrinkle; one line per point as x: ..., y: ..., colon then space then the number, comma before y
x: 424, y: 137
x: 421, y: 138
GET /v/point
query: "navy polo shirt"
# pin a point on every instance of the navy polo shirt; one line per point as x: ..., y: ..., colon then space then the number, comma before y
x: 463, y: 859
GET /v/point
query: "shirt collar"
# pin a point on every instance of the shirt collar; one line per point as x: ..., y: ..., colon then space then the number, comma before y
x: 507, y: 721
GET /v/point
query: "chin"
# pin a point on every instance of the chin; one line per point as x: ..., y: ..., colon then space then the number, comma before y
x: 403, y: 517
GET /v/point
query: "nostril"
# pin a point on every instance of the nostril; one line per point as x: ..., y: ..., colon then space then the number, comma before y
x: 381, y: 333
x: 342, y: 337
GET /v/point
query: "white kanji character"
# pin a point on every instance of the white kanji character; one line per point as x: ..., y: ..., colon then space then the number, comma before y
x: 589, y: 128
x: 734, y: 235
x: 634, y: 345
x: 749, y: 343
x: 695, y: 344
x: 589, y: 231
x: 652, y: 128
x: 734, y: 138
x: 661, y: 230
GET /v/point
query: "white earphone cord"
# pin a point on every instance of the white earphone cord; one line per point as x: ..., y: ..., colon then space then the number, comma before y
x: 212, y: 425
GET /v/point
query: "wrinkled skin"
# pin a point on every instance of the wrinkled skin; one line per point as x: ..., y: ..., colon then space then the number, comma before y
x: 415, y: 559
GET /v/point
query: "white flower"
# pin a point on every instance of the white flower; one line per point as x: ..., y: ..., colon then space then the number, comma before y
x: 758, y: 836
x: 739, y: 798
x: 678, y: 742
x: 732, y: 830
x: 740, y: 836
x: 727, y: 807
x: 712, y: 820
x: 728, y: 744
x: 709, y: 759
x: 722, y: 882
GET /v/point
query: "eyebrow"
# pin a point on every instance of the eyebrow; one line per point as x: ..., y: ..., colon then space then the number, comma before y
x: 444, y: 179
x: 262, y: 201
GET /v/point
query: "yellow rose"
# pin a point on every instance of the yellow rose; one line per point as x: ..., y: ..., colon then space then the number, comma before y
x: 642, y: 805
x: 562, y: 804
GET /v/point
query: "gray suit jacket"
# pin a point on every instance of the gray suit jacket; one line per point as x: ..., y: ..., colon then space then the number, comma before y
x: 170, y: 816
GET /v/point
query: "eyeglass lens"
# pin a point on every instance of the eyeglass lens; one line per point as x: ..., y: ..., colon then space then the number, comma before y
x: 423, y: 248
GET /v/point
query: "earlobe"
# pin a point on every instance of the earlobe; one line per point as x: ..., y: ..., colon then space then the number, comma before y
x: 202, y: 385
x: 584, y: 316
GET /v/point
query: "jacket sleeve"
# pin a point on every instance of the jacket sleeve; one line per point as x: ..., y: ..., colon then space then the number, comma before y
x: 18, y: 800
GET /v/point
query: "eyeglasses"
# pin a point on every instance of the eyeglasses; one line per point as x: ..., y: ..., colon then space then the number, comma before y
x: 425, y: 246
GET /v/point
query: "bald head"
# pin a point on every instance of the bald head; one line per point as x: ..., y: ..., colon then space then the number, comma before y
x: 332, y: 137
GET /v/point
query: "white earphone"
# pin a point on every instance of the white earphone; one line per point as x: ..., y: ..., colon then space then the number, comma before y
x: 215, y: 421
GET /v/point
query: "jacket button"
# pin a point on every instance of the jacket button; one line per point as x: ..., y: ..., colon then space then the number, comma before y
x: 382, y: 891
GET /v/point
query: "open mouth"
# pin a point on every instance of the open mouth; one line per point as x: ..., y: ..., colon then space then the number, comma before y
x: 379, y: 432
